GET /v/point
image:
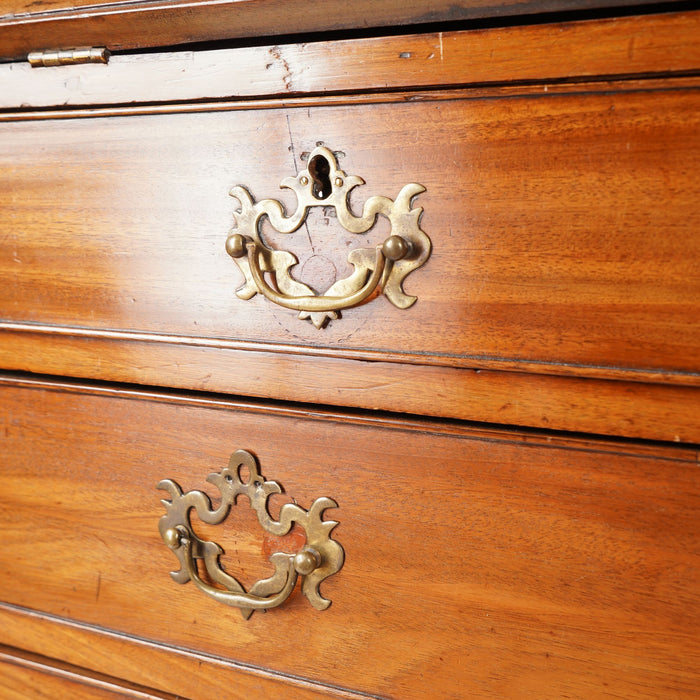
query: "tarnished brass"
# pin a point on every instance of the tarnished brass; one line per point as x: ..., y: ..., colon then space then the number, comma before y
x: 320, y: 558
x: 379, y: 269
x: 67, y: 57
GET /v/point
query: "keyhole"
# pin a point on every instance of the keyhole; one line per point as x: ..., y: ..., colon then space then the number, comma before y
x: 319, y: 169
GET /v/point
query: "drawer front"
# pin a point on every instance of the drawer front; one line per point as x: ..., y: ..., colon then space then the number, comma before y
x: 26, y: 676
x: 484, y: 563
x: 563, y: 229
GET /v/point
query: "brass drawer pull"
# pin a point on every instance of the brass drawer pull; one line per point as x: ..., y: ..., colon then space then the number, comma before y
x: 382, y: 268
x: 320, y: 558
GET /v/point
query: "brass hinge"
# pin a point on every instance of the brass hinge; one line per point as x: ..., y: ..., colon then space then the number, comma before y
x: 67, y: 57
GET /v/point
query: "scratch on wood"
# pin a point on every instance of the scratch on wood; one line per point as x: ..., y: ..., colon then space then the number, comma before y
x: 441, y: 55
x: 291, y: 145
x: 99, y: 584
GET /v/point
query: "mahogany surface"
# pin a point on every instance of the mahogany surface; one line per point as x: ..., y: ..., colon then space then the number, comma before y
x: 515, y: 457
x: 178, y: 671
x: 26, y: 676
x: 653, y: 45
x: 534, y: 258
x: 478, y: 557
x: 28, y: 25
x: 619, y: 406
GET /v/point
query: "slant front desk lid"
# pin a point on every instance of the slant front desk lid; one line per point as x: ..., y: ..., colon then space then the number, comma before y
x: 27, y: 26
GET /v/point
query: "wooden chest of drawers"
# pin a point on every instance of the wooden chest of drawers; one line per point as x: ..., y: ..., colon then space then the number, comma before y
x: 512, y: 458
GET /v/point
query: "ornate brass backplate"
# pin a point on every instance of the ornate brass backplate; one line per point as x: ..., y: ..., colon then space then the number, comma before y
x: 381, y: 269
x: 320, y: 557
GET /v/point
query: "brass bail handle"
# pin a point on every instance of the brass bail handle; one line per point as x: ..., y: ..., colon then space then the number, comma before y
x: 394, y: 248
x: 377, y: 270
x: 320, y: 558
x: 306, y: 561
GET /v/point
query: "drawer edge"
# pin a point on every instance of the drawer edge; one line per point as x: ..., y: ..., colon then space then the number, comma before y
x: 103, y: 652
x: 582, y: 405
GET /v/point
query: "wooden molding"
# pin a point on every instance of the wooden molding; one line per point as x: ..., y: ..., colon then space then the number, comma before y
x: 27, y: 26
x: 647, y: 45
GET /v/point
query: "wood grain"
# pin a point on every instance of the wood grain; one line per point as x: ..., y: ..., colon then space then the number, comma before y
x: 24, y: 676
x: 560, y: 163
x: 494, y: 563
x: 643, y: 45
x: 177, y: 671
x: 28, y: 25
x: 624, y: 407
x: 549, y: 244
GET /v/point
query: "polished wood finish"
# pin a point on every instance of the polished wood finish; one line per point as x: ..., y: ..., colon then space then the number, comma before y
x: 560, y: 541
x: 89, y: 652
x: 535, y: 261
x: 25, y: 676
x: 647, y: 45
x: 28, y: 25
x: 621, y: 406
x: 178, y: 671
x: 497, y: 546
